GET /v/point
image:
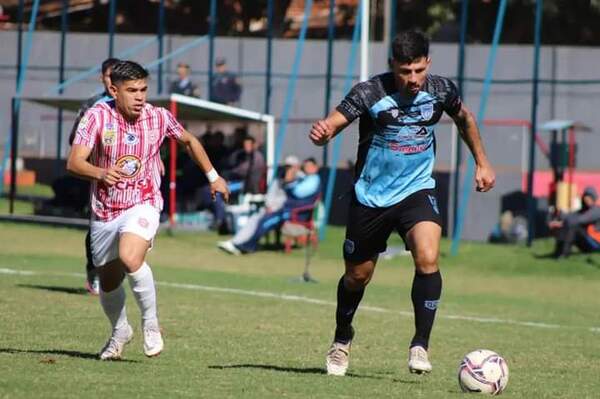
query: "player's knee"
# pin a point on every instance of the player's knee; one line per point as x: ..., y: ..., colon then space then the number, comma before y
x: 131, y: 261
x: 356, y: 279
x: 426, y: 260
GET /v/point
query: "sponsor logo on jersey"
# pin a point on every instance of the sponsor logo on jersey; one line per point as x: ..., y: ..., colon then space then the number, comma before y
x: 143, y: 222
x: 109, y: 134
x: 131, y: 138
x: 130, y: 165
x: 426, y: 111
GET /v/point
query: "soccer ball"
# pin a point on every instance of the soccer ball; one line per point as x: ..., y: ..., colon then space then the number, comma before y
x: 483, y: 371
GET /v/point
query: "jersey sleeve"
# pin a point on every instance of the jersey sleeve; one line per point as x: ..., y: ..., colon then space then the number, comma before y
x: 87, y: 130
x: 452, y: 102
x: 354, y: 104
x: 173, y: 128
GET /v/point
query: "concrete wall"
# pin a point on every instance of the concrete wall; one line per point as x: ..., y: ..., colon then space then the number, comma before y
x: 247, y: 57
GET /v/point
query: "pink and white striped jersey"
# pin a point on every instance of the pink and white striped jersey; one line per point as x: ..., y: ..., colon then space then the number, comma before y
x: 134, y: 147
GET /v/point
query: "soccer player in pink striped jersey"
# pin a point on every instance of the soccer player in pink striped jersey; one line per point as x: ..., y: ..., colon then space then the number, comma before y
x: 117, y: 147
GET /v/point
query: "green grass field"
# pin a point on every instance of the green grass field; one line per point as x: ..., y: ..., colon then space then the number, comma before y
x: 242, y: 327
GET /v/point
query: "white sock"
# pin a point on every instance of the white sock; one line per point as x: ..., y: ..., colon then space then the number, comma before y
x: 113, y: 303
x: 142, y: 285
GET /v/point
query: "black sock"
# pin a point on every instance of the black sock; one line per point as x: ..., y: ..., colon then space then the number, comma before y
x: 426, y: 292
x: 347, y: 303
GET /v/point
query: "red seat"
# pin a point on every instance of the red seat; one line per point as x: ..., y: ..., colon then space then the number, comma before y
x: 300, y: 230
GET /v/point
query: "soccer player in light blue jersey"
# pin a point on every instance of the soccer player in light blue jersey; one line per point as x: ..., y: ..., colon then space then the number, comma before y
x: 394, y: 188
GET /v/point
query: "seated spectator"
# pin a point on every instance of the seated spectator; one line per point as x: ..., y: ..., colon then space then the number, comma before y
x: 581, y: 228
x: 300, y: 187
x: 183, y: 84
x: 225, y: 88
x: 246, y: 165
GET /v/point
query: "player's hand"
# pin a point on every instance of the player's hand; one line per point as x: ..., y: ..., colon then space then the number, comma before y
x: 321, y: 132
x: 111, y: 176
x: 485, y: 177
x: 219, y: 186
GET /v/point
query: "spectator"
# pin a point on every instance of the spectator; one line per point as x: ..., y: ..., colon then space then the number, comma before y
x: 300, y: 188
x: 183, y: 85
x: 581, y: 228
x: 224, y: 86
x: 247, y: 165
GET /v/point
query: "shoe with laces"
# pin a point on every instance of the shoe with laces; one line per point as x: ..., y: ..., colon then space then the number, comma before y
x: 338, y: 357
x: 153, y: 342
x: 418, y: 361
x: 113, y: 349
x: 229, y: 247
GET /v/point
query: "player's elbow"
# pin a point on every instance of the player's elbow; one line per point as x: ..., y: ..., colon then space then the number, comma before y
x: 72, y: 163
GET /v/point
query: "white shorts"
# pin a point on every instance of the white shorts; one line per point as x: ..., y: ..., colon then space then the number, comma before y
x: 141, y: 220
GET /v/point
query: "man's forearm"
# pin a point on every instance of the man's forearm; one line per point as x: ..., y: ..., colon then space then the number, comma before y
x: 469, y: 132
x: 84, y: 170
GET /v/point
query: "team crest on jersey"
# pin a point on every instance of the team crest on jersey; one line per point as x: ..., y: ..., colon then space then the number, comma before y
x: 426, y: 110
x: 153, y: 135
x: 131, y: 138
x: 130, y: 165
x: 109, y: 135
x: 349, y: 246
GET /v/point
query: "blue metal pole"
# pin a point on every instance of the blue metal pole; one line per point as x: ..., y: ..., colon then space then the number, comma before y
x: 112, y: 10
x: 337, y: 143
x: 160, y: 37
x: 531, y: 208
x: 16, y: 103
x: 61, y: 78
x: 291, y: 89
x: 7, y: 145
x: 269, y: 73
x: 211, y: 47
x: 330, y: 39
x: 464, y: 17
x: 487, y: 85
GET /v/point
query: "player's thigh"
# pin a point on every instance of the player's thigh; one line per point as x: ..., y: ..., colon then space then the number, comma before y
x: 104, y: 241
x: 136, y: 235
x: 423, y: 240
x: 419, y: 223
x: 367, y: 232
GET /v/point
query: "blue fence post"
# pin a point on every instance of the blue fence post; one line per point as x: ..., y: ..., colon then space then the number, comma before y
x: 469, y: 173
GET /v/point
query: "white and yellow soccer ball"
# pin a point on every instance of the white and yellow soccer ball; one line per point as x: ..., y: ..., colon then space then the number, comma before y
x: 483, y: 371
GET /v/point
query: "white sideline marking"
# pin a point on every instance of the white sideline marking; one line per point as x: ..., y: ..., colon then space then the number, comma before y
x: 297, y: 298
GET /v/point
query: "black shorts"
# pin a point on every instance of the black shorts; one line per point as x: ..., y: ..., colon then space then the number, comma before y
x: 369, y: 228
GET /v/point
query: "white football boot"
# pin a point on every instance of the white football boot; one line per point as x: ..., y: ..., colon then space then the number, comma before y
x: 418, y: 361
x: 113, y: 349
x: 337, y: 359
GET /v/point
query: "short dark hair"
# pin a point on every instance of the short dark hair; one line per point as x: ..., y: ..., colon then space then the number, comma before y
x: 311, y: 160
x: 127, y: 70
x: 251, y: 138
x: 408, y: 46
x: 108, y: 63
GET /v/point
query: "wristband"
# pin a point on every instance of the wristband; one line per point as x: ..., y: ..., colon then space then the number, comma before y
x: 212, y: 175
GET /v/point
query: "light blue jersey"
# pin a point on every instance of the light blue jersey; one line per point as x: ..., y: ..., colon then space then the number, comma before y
x: 396, y: 151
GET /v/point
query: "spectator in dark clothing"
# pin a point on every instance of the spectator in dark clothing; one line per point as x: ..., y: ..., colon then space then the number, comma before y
x: 301, y: 188
x: 225, y: 88
x: 183, y: 84
x: 247, y: 165
x: 581, y: 228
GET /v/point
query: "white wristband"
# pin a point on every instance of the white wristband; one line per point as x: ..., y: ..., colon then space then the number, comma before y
x: 212, y: 175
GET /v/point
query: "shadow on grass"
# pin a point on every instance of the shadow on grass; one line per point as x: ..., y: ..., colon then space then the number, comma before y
x: 65, y: 290
x: 299, y: 370
x: 59, y: 352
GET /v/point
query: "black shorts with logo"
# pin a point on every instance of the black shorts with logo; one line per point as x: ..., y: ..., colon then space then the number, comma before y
x: 369, y: 228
